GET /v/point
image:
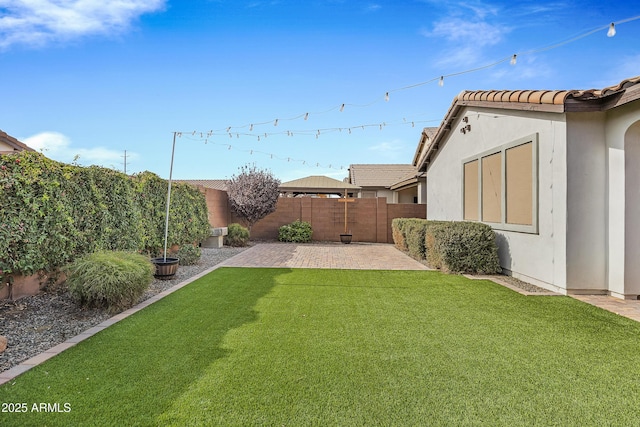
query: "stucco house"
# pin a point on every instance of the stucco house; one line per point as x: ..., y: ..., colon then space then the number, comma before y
x: 556, y: 173
x: 9, y: 144
x: 399, y: 183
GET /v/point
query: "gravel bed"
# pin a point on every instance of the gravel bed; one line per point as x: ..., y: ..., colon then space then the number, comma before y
x: 34, y: 324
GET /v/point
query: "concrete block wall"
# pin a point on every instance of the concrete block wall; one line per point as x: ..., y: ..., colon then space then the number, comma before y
x: 369, y: 220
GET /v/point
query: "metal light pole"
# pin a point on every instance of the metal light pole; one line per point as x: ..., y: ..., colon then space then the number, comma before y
x: 166, y: 222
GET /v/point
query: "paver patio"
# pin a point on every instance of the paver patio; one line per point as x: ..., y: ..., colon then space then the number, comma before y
x: 358, y: 256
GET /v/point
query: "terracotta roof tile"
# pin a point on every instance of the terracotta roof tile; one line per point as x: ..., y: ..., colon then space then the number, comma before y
x: 554, y: 100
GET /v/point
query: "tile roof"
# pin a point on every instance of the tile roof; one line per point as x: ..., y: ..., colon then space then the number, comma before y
x: 550, y: 97
x: 559, y: 101
x: 216, y: 184
x: 14, y: 143
x: 317, y: 183
x: 380, y: 175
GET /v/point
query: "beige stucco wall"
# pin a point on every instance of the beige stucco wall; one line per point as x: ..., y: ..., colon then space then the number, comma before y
x: 586, y: 203
x: 623, y: 231
x: 5, y: 147
x: 538, y: 258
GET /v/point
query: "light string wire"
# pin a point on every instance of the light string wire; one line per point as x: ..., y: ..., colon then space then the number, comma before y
x: 232, y: 131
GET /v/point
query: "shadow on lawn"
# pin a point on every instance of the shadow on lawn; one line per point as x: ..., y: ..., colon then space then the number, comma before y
x: 134, y: 370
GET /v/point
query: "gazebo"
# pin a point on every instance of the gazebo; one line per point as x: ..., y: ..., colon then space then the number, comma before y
x: 317, y: 186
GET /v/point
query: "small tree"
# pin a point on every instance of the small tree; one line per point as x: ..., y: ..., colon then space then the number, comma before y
x: 253, y: 193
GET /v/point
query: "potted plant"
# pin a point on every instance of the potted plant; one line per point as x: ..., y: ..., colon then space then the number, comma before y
x: 346, y: 238
x: 166, y: 267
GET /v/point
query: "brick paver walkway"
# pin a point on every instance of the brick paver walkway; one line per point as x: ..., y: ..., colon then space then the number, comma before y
x: 359, y: 256
x: 626, y: 308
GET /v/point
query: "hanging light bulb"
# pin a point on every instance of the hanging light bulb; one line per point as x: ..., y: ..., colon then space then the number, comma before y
x: 306, y: 116
x: 386, y: 96
x: 275, y: 123
x: 612, y: 30
x: 441, y: 81
x: 251, y: 128
x: 514, y: 59
x: 342, y: 108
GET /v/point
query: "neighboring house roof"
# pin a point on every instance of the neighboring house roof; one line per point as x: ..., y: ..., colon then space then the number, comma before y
x: 380, y: 175
x: 558, y: 101
x: 216, y: 184
x: 317, y: 184
x: 427, y: 135
x: 16, y: 145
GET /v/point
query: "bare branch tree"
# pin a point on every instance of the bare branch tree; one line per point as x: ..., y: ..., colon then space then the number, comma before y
x: 253, y: 193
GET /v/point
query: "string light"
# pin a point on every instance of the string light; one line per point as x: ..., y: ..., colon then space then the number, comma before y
x: 611, y: 31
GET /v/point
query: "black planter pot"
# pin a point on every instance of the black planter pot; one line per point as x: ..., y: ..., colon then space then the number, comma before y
x: 165, y: 267
x: 346, y: 238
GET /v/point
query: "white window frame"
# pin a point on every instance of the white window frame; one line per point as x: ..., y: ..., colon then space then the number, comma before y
x: 503, y: 225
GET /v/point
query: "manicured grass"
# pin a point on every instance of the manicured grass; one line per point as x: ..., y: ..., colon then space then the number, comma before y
x: 335, y: 347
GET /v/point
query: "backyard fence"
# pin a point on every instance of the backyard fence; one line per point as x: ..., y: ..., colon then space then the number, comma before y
x: 368, y: 219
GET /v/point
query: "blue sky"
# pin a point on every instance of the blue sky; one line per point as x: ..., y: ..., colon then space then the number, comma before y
x: 89, y: 79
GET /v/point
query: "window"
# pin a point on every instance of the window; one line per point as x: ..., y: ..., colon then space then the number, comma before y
x: 500, y: 186
x: 471, y: 191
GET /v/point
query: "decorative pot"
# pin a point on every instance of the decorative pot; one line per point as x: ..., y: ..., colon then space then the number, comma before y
x: 346, y: 238
x: 165, y: 267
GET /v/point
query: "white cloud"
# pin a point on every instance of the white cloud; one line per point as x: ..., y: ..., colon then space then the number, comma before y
x: 38, y: 22
x: 58, y: 147
x: 466, y: 39
x: 373, y: 7
x: 388, y: 147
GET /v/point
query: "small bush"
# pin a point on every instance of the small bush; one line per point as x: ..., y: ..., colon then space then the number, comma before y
x: 237, y: 235
x: 113, y: 280
x: 296, y: 232
x: 462, y: 247
x: 188, y: 254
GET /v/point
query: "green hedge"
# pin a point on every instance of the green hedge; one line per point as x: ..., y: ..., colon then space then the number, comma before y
x: 53, y: 213
x: 453, y: 246
x: 462, y: 247
x: 397, y: 232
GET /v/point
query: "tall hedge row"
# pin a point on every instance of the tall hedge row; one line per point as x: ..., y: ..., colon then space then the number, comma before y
x: 452, y: 246
x: 52, y: 213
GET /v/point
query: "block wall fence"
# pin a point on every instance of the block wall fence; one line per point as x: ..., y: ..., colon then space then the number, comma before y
x: 369, y: 220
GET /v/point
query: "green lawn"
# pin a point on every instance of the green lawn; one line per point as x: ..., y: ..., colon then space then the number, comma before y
x: 344, y: 347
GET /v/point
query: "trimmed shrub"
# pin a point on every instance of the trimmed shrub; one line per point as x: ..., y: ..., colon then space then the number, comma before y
x: 397, y: 232
x: 462, y: 247
x: 413, y: 231
x: 237, y: 235
x: 188, y: 254
x: 114, y: 280
x: 296, y: 232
